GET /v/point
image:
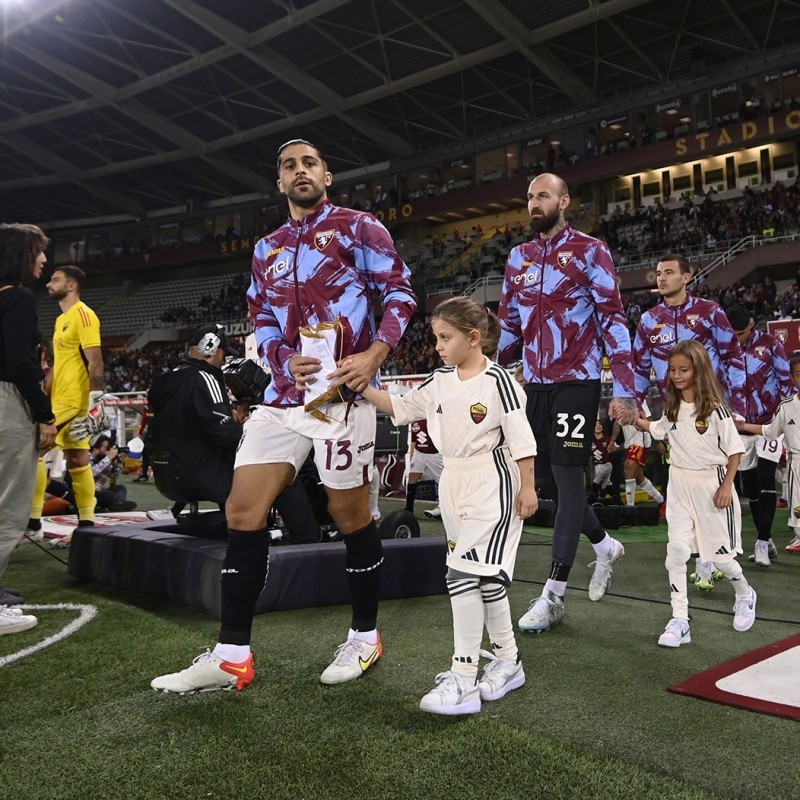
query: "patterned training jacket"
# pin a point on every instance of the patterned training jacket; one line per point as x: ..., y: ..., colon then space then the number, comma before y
x: 560, y: 296
x: 663, y: 326
x: 324, y: 268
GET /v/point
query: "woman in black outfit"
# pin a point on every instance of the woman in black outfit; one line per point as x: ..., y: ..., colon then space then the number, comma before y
x: 27, y: 424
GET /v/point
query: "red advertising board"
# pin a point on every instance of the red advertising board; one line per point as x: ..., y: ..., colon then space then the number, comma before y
x: 788, y: 332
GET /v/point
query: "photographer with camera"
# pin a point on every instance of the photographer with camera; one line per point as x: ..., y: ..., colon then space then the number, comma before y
x: 105, y: 460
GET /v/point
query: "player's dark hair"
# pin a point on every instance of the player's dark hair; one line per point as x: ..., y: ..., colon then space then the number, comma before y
x: 794, y: 360
x: 708, y: 394
x: 682, y: 261
x: 73, y: 273
x: 466, y: 315
x: 20, y: 245
x: 738, y: 316
x: 300, y: 141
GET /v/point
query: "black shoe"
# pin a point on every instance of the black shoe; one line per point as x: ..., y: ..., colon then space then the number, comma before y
x: 9, y: 599
x: 141, y: 479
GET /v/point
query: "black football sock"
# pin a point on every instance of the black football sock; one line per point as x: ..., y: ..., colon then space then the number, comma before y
x: 363, y: 567
x: 411, y: 493
x: 244, y: 573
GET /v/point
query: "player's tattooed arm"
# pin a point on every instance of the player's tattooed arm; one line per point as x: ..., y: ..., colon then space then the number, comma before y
x: 623, y: 409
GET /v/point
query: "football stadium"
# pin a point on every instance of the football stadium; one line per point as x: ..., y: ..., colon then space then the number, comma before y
x: 397, y: 399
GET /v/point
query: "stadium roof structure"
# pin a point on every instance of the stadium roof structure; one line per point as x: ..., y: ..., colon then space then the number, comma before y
x: 116, y: 109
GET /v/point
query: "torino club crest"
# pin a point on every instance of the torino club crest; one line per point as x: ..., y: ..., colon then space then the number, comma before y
x: 324, y: 238
x: 692, y: 320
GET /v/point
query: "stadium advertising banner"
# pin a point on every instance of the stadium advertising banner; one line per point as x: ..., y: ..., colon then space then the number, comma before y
x: 787, y: 332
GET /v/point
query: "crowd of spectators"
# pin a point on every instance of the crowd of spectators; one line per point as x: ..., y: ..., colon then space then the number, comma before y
x: 231, y: 301
x: 710, y: 225
x: 133, y: 371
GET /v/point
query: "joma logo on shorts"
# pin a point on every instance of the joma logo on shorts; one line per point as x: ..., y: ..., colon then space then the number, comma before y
x: 366, y: 446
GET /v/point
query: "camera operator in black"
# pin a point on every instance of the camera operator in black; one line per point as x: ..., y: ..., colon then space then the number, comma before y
x: 193, y: 420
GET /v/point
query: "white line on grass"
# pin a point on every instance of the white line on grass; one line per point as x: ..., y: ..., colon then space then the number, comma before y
x: 86, y: 614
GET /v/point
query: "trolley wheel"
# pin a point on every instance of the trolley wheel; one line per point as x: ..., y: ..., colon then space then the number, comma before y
x: 399, y: 524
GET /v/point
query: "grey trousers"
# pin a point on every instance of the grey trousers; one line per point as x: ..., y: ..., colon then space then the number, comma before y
x: 17, y: 468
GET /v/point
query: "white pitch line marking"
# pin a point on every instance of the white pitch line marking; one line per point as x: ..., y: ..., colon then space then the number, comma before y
x: 86, y: 614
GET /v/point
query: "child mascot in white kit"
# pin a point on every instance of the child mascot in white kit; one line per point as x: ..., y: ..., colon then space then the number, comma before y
x: 476, y: 418
x: 703, y: 513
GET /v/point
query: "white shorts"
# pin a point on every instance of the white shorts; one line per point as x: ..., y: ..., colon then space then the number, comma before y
x: 602, y: 474
x: 793, y: 488
x: 477, y: 497
x: 343, y: 451
x: 427, y: 462
x: 714, y: 533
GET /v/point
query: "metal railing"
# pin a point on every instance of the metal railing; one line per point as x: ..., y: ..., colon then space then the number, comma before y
x: 743, y: 244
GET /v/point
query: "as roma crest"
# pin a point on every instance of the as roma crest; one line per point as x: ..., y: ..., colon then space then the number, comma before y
x: 692, y: 319
x: 564, y: 257
x: 701, y: 426
x: 324, y: 238
x: 478, y: 413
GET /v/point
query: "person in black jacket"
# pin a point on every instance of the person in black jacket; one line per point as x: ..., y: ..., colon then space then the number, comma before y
x: 26, y: 417
x: 193, y: 419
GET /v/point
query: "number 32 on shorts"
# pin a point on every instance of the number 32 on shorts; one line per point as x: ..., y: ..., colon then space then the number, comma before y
x: 570, y: 428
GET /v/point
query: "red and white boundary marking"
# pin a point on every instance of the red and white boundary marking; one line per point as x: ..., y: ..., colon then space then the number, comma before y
x: 86, y: 613
x: 763, y: 680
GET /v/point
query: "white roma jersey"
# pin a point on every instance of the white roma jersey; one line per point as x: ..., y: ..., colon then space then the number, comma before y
x: 470, y: 417
x: 699, y: 444
x: 786, y: 422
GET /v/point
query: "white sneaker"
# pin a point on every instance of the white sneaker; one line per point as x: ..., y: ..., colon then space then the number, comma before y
x: 207, y: 673
x: 452, y: 695
x: 603, y: 572
x: 12, y: 620
x: 675, y: 634
x: 545, y: 612
x: 773, y: 551
x: 744, y: 611
x: 500, y: 676
x: 761, y: 554
x: 351, y: 660
x: 433, y: 513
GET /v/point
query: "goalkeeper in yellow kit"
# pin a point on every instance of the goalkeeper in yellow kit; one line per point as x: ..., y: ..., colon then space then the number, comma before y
x: 76, y: 386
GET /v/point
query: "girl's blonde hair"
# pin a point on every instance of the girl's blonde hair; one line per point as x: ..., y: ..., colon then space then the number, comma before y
x: 708, y: 394
x: 466, y: 315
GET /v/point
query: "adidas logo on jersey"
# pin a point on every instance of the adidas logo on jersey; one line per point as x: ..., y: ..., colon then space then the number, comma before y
x: 790, y: 422
x: 674, y: 426
x: 439, y: 409
x: 723, y: 551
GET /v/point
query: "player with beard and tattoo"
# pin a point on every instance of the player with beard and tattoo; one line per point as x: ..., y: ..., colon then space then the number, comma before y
x: 321, y: 268
x: 560, y: 297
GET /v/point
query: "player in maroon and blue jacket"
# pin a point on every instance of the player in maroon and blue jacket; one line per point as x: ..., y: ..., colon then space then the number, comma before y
x: 322, y: 265
x: 683, y: 316
x: 769, y: 381
x: 319, y: 269
x: 560, y: 297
